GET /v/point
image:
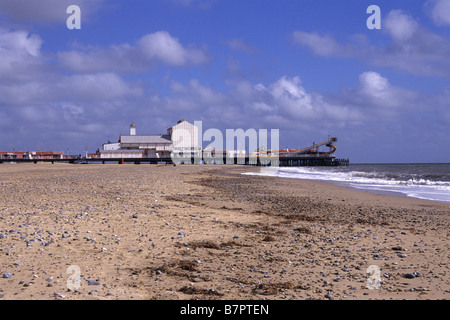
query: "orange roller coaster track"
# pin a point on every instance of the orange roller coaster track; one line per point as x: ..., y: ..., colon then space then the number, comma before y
x: 311, y: 150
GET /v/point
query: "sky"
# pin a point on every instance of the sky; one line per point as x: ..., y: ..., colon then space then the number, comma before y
x: 308, y: 68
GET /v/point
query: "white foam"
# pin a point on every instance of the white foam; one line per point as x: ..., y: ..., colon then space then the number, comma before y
x: 371, y: 181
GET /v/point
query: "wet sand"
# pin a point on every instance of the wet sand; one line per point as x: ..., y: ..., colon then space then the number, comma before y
x: 207, y: 232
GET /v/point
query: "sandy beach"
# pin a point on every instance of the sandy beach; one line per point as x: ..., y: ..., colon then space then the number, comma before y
x: 156, y: 232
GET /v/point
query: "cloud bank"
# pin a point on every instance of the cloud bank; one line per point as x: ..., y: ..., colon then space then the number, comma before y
x: 150, y: 49
x: 410, y: 46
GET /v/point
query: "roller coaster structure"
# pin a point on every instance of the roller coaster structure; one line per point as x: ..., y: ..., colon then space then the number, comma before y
x: 311, y: 151
x: 309, y: 156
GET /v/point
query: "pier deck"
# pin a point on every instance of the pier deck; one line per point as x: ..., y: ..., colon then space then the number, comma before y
x: 296, y: 161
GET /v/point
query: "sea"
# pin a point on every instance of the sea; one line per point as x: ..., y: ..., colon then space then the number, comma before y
x: 423, y: 181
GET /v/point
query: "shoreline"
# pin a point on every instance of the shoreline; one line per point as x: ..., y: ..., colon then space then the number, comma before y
x: 366, y: 187
x: 149, y: 232
x: 382, y: 192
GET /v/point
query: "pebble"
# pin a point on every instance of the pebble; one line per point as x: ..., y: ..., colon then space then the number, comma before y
x: 7, y: 275
x: 329, y: 296
x: 411, y: 275
x: 420, y: 289
x: 93, y: 283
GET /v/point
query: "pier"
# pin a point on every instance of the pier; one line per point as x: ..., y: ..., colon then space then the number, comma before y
x: 156, y: 149
x: 286, y: 161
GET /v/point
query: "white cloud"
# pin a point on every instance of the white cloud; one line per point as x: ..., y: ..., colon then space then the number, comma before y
x: 412, y: 48
x: 400, y: 26
x: 322, y: 45
x: 20, y: 43
x: 72, y: 112
x: 36, y: 95
x: 376, y: 99
x: 159, y: 46
x: 162, y: 46
x: 291, y: 99
x: 37, y: 114
x: 96, y: 87
x: 373, y: 84
x: 250, y: 105
x: 23, y: 94
x: 19, y: 54
x: 377, y: 93
x: 440, y: 11
x: 287, y: 102
x: 193, y: 97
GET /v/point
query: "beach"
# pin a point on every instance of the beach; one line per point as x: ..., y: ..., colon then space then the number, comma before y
x: 164, y: 232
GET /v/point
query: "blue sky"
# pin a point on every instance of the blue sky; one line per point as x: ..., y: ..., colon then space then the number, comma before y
x: 308, y: 68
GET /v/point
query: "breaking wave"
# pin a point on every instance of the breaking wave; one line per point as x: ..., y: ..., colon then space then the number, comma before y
x: 430, y: 182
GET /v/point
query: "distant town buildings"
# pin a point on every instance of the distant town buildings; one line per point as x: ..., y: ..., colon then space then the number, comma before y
x: 13, y: 155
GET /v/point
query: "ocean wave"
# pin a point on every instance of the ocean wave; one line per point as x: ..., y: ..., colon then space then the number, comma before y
x: 418, y: 185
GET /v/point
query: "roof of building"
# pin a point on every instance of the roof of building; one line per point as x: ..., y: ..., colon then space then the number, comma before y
x: 179, y: 122
x: 121, y: 151
x: 150, y: 138
x: 33, y: 152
